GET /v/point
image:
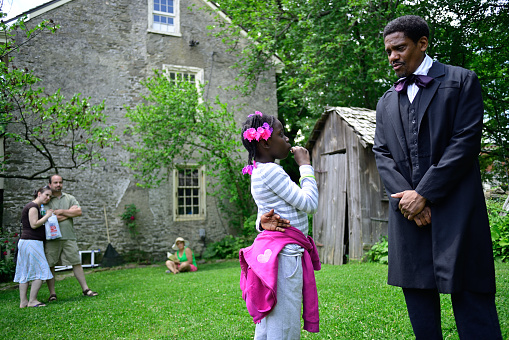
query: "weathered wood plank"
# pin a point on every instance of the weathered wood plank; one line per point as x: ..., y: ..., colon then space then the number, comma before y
x: 340, y: 178
x: 350, y: 189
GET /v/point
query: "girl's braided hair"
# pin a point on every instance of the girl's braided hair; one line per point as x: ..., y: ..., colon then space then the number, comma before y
x: 254, y: 121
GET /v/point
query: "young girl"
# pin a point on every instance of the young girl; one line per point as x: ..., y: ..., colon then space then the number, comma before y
x: 278, y: 269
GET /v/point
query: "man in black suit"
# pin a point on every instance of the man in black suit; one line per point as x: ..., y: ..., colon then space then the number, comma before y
x: 427, y: 140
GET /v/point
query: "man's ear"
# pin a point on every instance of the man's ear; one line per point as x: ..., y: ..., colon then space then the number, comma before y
x: 423, y: 43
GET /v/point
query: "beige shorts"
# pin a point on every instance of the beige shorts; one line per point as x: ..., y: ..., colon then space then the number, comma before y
x: 64, y: 250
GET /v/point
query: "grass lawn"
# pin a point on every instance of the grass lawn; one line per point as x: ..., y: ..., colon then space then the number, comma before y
x: 146, y: 303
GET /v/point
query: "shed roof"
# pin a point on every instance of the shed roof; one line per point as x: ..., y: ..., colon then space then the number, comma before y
x: 362, y: 121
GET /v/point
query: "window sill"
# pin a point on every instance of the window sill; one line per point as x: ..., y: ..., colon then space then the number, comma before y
x: 164, y: 33
x: 188, y: 218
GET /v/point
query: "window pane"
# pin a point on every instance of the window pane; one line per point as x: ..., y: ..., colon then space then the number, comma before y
x: 195, y: 200
x: 196, y: 210
x: 188, y: 201
x: 195, y: 192
x: 188, y: 192
x: 167, y: 6
x: 181, y: 211
x: 162, y: 23
x: 189, y: 211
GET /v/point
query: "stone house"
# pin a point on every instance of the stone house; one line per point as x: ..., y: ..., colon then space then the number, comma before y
x: 103, y: 50
x: 353, y: 207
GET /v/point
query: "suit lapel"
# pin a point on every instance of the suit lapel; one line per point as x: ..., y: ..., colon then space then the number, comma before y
x: 392, y: 109
x: 436, y: 71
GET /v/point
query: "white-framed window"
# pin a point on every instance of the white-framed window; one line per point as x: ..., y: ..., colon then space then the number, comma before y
x: 194, y: 75
x: 164, y: 17
x: 189, y: 193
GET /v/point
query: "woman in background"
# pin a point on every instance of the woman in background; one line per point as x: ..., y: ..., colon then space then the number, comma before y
x: 32, y: 264
x: 185, y: 261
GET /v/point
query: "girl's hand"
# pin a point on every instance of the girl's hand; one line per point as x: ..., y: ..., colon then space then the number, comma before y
x: 271, y: 221
x: 49, y: 212
x: 301, y: 155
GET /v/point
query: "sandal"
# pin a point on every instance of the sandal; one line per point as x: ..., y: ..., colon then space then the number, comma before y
x: 52, y: 297
x: 89, y: 292
x: 39, y: 305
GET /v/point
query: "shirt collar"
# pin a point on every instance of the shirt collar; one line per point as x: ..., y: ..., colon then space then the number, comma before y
x: 426, y: 64
x: 62, y: 195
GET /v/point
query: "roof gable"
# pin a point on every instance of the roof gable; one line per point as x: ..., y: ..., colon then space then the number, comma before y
x: 41, y: 9
x: 362, y: 121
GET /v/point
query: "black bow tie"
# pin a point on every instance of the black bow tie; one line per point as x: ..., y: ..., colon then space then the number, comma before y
x: 420, y: 80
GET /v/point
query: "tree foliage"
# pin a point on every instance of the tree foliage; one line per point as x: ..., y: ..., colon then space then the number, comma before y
x: 499, y: 227
x: 333, y: 54
x: 473, y: 34
x: 63, y: 134
x: 332, y: 51
x: 175, y: 127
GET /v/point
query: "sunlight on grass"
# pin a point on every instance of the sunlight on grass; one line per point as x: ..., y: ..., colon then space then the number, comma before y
x: 147, y: 303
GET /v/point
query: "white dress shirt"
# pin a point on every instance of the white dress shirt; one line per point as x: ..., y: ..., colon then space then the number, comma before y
x: 423, y: 69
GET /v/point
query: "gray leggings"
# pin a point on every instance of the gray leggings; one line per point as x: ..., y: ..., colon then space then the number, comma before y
x: 283, y: 322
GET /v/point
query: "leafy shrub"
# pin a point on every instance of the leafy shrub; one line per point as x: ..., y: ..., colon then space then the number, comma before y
x: 129, y: 217
x: 499, y: 226
x: 7, y: 248
x: 379, y: 252
x: 249, y: 229
x: 7, y: 270
x: 229, y: 246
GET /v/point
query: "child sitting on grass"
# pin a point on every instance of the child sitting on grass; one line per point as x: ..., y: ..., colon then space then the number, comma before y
x: 278, y: 269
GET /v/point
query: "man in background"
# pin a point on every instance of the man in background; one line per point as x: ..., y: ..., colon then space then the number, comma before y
x: 65, y: 249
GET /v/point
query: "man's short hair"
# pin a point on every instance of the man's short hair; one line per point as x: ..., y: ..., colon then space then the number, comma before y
x: 51, y: 177
x: 412, y: 26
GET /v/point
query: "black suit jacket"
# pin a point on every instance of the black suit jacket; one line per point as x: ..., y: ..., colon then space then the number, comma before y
x: 453, y: 253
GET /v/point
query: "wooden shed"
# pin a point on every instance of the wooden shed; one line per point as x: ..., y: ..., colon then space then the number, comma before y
x: 353, y: 207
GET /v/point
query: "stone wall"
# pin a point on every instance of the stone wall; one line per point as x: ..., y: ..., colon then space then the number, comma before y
x: 103, y: 51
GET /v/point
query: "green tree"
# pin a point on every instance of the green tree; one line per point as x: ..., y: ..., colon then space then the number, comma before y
x: 48, y: 124
x: 333, y: 54
x: 474, y: 35
x: 175, y: 127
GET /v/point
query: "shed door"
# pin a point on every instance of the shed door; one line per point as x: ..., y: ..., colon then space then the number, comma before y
x: 329, y: 221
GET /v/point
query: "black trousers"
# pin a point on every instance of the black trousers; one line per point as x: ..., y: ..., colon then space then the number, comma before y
x: 475, y: 314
